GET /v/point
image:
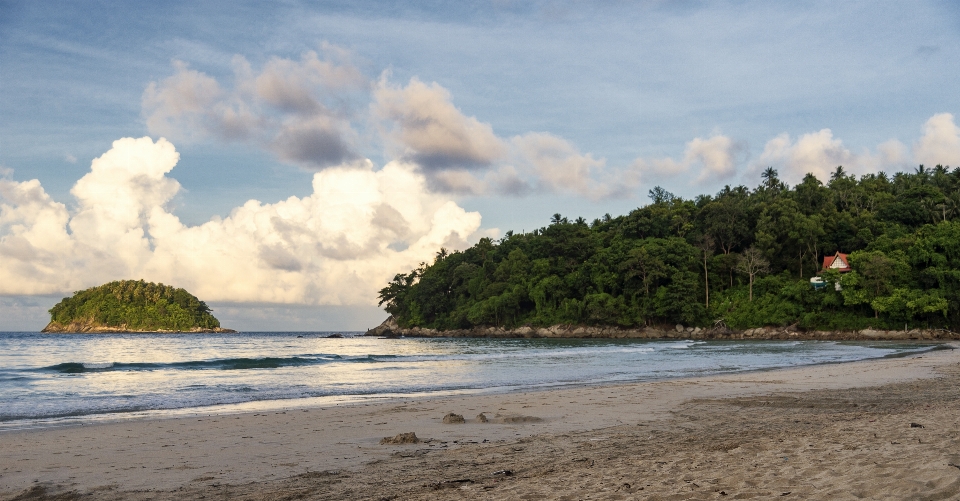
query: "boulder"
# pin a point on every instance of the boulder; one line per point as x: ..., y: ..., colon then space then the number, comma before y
x: 402, y: 438
x: 452, y: 418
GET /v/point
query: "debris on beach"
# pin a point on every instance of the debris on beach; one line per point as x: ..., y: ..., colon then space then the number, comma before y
x: 451, y: 483
x: 402, y: 438
x: 916, y: 425
x: 482, y: 418
x: 515, y: 419
x: 452, y: 418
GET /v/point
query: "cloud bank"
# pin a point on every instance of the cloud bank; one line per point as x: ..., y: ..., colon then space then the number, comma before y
x: 305, y: 111
x: 297, y: 109
x: 721, y: 159
x: 337, y: 246
x: 308, y: 112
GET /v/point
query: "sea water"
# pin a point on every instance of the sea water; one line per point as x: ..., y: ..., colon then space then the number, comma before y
x: 53, y: 379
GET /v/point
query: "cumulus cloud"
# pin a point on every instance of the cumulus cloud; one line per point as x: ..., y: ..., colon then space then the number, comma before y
x: 820, y: 153
x: 713, y: 159
x: 426, y: 128
x: 337, y: 246
x: 460, y: 154
x: 559, y: 167
x: 817, y: 153
x: 940, y: 143
x: 296, y: 108
x: 720, y: 158
x: 301, y: 110
x: 535, y: 162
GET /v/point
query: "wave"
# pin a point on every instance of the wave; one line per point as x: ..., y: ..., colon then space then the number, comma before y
x: 245, y: 363
x: 543, y: 355
x: 220, y: 364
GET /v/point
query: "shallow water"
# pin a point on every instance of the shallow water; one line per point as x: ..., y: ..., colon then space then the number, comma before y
x: 48, y: 379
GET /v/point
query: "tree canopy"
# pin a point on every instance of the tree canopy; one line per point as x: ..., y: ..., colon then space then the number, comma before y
x: 741, y: 258
x: 137, y: 305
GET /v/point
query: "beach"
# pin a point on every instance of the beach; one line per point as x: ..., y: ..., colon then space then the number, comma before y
x: 873, y: 429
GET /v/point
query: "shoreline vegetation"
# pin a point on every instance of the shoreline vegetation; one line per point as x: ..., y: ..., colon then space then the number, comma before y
x: 131, y: 306
x: 856, y: 258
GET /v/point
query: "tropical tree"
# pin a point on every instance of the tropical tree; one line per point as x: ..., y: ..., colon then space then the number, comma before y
x: 752, y: 263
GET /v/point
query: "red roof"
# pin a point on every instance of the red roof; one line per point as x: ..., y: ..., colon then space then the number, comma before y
x: 842, y: 265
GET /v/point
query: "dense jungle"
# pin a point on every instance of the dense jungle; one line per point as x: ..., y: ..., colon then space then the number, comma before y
x: 741, y: 258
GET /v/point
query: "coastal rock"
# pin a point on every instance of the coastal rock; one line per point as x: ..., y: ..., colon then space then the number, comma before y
x: 482, y: 418
x: 390, y: 328
x: 452, y: 418
x: 402, y: 438
x: 92, y: 328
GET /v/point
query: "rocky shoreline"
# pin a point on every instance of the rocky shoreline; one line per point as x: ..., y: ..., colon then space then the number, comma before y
x: 389, y: 328
x: 91, y: 328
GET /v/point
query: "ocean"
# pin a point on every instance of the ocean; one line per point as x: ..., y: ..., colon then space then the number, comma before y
x: 57, y: 379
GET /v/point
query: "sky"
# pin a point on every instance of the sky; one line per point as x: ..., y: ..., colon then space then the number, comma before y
x: 283, y: 161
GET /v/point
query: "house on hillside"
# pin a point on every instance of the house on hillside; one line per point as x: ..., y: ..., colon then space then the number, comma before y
x: 837, y: 262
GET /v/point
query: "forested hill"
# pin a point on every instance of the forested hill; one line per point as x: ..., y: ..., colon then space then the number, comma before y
x: 692, y: 261
x: 132, y: 305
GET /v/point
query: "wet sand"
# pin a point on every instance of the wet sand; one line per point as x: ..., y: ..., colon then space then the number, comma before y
x: 841, y: 431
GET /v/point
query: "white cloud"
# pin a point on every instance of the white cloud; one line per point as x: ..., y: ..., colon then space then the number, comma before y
x: 460, y: 154
x: 336, y: 246
x: 704, y: 160
x: 297, y: 109
x: 426, y: 128
x: 817, y: 153
x: 717, y: 155
x: 940, y: 143
x: 557, y: 166
x: 184, y: 105
x: 820, y: 153
x: 718, y: 158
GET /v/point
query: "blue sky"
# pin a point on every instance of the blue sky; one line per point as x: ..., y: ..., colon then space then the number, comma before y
x: 570, y: 107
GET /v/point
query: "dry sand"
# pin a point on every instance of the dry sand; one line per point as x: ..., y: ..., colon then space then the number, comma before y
x: 825, y: 432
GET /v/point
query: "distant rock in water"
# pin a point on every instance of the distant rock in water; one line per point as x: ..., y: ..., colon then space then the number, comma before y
x: 132, y: 306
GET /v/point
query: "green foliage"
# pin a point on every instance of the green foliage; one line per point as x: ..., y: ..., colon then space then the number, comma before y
x: 657, y: 264
x: 136, y: 304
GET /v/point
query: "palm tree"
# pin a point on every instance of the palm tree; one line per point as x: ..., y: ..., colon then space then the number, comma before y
x: 770, y: 180
x: 838, y: 174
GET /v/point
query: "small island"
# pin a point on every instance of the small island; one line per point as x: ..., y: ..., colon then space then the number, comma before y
x: 132, y: 306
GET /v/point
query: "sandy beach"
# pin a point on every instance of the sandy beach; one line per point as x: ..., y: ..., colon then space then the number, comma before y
x: 879, y: 429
